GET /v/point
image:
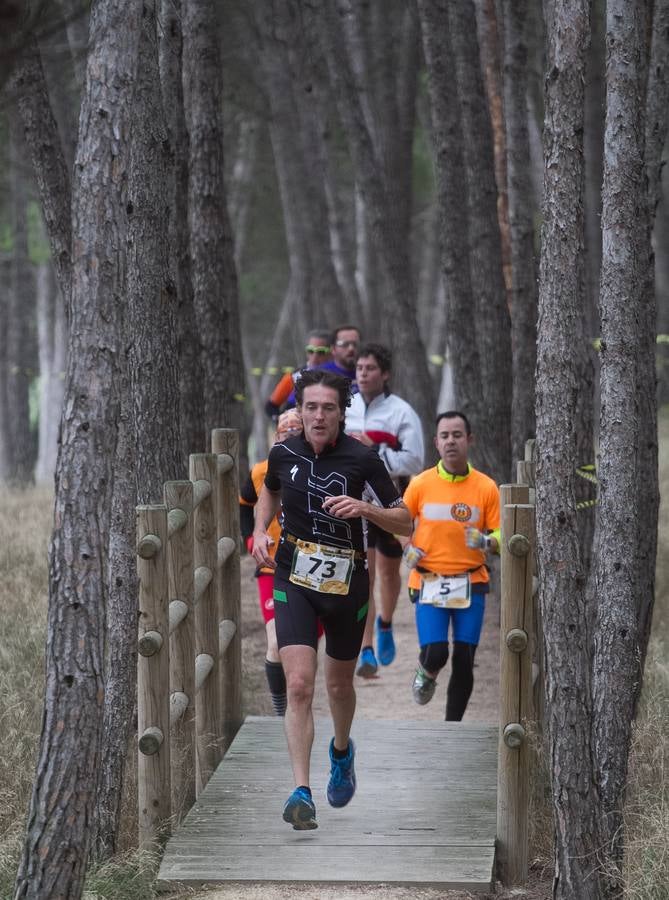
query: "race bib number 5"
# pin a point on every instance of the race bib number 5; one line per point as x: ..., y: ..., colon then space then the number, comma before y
x: 322, y: 568
x: 446, y: 591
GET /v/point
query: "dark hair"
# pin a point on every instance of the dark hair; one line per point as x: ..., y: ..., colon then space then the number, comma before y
x: 454, y: 414
x: 344, y: 327
x: 381, y: 354
x: 324, y: 377
x: 322, y: 334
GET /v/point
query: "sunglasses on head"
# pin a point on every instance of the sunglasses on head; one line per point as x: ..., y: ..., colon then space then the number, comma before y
x: 311, y: 349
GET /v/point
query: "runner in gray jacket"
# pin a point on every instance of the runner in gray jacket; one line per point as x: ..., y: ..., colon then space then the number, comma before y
x: 384, y: 421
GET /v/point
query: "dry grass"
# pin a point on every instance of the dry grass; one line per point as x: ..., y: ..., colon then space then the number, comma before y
x: 25, y: 524
x: 646, y: 870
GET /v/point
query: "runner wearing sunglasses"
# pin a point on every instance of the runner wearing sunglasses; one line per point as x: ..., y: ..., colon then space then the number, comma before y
x: 317, y: 351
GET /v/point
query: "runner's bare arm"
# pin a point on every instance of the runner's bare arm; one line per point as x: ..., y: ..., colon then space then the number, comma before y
x: 396, y: 520
x: 266, y: 508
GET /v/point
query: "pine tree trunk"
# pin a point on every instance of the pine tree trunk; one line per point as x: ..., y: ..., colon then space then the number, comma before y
x: 21, y: 355
x: 657, y: 122
x: 191, y: 373
x: 491, y: 19
x: 58, y: 836
x: 149, y: 438
x: 522, y: 212
x: 5, y: 442
x: 297, y: 148
x: 211, y: 245
x: 462, y: 373
x: 52, y: 343
x: 51, y: 171
x: 493, y: 325
x: 625, y: 248
x: 561, y: 575
x: 593, y: 145
x: 385, y: 212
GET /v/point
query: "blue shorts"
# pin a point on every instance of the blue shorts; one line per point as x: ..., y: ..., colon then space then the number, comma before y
x: 432, y: 622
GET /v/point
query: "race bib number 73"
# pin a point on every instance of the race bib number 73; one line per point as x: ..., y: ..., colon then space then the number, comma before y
x: 322, y: 568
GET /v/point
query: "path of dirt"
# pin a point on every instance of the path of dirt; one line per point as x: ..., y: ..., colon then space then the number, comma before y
x: 386, y: 696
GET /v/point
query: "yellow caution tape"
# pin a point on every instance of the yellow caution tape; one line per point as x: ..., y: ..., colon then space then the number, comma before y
x: 589, y: 472
x: 660, y: 339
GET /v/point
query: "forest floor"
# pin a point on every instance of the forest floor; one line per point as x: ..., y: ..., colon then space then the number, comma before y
x: 389, y: 691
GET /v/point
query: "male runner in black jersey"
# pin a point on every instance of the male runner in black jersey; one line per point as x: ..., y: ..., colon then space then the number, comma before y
x: 318, y: 479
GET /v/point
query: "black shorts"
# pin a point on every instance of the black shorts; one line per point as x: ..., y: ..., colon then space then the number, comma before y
x: 297, y: 611
x: 383, y: 541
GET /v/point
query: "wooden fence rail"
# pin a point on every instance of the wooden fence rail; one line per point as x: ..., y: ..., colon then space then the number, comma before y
x: 516, y: 639
x: 189, y: 668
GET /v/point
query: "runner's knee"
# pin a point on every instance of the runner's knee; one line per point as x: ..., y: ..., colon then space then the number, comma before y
x: 300, y: 687
x: 463, y: 660
x: 433, y: 657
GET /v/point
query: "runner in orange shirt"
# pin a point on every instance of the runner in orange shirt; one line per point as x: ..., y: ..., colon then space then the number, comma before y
x: 455, y: 509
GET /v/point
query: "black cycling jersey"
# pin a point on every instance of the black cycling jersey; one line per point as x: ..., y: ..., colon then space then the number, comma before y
x: 305, y: 479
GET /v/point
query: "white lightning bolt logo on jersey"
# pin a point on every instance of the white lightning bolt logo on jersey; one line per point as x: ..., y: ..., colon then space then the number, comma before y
x: 294, y: 472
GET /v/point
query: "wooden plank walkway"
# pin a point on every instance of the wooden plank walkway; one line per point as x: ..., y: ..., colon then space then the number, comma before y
x: 424, y: 811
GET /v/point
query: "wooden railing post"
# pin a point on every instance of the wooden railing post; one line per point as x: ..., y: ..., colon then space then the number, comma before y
x: 179, y: 502
x: 513, y: 775
x: 153, y: 701
x: 205, y: 552
x: 225, y: 444
x: 526, y: 474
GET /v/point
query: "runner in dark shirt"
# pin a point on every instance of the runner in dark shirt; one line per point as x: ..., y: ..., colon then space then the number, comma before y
x: 320, y: 572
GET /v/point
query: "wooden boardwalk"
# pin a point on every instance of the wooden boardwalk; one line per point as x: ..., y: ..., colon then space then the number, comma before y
x: 424, y: 812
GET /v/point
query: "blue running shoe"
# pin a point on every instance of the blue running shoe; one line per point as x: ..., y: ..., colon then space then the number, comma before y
x: 367, y: 664
x: 385, y: 643
x: 341, y: 785
x: 299, y: 810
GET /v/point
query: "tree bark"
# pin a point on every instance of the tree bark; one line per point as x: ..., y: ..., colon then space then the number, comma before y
x: 566, y: 619
x: 191, y: 373
x: 241, y: 194
x: 149, y: 437
x: 493, y: 326
x: 211, y: 245
x: 492, y: 24
x: 52, y: 343
x: 657, y: 102
x: 5, y: 443
x: 452, y: 199
x: 390, y: 239
x: 58, y: 836
x: 593, y: 145
x: 21, y: 349
x: 522, y: 209
x: 623, y: 314
x: 298, y: 154
x: 51, y: 171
